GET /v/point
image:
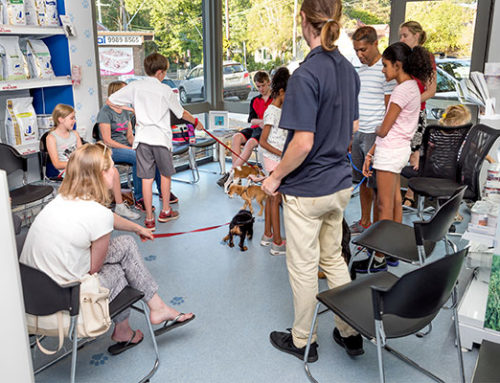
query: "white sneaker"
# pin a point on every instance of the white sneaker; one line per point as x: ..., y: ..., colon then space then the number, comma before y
x: 278, y: 249
x: 124, y: 211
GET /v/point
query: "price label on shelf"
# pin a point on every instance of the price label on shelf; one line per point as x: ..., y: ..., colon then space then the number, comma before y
x: 120, y: 40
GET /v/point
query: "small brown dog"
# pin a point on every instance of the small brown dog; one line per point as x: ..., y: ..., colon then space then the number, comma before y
x: 248, y: 193
x: 240, y: 172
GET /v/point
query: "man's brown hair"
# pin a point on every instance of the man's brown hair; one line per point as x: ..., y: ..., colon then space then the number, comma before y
x: 366, y: 33
x: 155, y: 62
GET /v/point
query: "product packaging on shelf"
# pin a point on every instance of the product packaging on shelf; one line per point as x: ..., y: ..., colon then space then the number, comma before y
x: 20, y: 121
x: 45, y: 123
x: 13, y: 12
x: 51, y: 14
x: 39, y: 60
x: 31, y: 12
x: 14, y: 63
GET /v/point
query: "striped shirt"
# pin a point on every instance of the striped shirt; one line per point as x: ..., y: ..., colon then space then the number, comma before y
x: 372, y: 95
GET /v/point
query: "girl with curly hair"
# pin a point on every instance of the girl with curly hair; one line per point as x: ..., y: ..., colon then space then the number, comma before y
x: 392, y: 147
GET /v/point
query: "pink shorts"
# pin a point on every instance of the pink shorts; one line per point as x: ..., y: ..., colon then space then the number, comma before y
x: 269, y: 165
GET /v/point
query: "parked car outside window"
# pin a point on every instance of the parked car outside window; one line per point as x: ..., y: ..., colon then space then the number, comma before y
x: 236, y: 82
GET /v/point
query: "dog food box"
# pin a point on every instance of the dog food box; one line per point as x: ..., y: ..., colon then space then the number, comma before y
x: 479, y: 213
x: 492, y: 187
x: 494, y: 172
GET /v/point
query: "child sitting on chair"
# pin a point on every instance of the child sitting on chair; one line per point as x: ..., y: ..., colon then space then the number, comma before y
x: 62, y: 141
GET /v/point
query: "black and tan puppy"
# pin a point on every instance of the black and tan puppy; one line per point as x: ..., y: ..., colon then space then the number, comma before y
x: 241, y: 225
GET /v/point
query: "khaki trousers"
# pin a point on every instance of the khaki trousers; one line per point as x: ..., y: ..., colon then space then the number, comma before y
x: 313, y: 238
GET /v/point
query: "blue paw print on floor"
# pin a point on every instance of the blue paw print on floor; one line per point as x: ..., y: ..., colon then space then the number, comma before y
x: 260, y: 220
x: 98, y: 360
x: 87, y: 33
x: 150, y: 258
x: 222, y: 243
x: 177, y: 301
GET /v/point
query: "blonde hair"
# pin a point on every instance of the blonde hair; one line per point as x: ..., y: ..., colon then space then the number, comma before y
x: 414, y: 27
x: 84, y: 179
x: 455, y: 115
x: 324, y: 16
x: 60, y: 111
x: 115, y: 86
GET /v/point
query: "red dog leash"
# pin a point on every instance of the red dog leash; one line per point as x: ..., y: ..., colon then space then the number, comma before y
x: 228, y: 148
x: 163, y: 235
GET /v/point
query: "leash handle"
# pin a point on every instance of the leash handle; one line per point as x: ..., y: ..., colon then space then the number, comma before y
x: 228, y: 148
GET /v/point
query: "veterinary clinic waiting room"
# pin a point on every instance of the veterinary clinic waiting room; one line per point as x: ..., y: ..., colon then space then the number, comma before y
x: 250, y: 191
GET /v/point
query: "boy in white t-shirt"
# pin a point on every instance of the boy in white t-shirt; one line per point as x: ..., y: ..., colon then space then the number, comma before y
x: 152, y: 102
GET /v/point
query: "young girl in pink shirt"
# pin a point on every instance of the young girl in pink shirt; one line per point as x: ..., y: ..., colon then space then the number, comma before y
x: 391, y: 150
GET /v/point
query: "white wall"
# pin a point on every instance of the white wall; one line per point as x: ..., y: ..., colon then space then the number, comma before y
x: 15, y: 355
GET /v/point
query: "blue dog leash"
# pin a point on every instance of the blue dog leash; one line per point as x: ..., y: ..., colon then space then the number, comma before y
x: 359, y: 171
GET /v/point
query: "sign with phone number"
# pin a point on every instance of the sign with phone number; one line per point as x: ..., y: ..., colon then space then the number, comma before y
x: 120, y: 40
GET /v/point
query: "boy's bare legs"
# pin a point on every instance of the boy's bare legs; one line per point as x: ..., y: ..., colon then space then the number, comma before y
x: 366, y: 200
x: 238, y: 140
x: 147, y: 194
x: 246, y: 153
x: 165, y: 192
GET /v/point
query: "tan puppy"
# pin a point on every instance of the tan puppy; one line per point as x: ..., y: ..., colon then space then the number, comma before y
x: 247, y: 193
x: 240, y: 172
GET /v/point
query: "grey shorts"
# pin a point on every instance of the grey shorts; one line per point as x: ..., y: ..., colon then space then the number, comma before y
x: 149, y: 157
x: 361, y: 144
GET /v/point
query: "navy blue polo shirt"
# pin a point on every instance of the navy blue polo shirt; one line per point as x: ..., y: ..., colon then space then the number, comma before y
x: 321, y: 97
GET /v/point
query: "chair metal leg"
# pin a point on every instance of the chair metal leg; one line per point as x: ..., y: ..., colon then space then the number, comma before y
x: 351, y: 261
x: 194, y: 169
x: 145, y: 311
x: 308, y: 346
x: 82, y: 343
x: 75, y: 346
x: 421, y: 334
x: 379, y: 331
x: 413, y: 364
x: 454, y: 298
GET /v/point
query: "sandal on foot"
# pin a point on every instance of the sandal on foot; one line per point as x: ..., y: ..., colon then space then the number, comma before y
x: 119, y: 347
x: 174, y: 323
x: 410, y: 200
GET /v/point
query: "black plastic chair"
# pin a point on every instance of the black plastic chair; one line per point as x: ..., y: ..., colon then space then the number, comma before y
x: 10, y: 161
x: 383, y: 306
x: 443, y: 174
x: 45, y: 160
x: 412, y: 244
x: 43, y: 296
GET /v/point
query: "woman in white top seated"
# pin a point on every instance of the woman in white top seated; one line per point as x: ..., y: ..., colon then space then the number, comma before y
x: 72, y: 237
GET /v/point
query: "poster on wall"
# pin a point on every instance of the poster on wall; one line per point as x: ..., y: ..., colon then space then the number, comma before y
x: 116, y: 61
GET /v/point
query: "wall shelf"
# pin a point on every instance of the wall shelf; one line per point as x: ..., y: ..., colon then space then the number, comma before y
x: 34, y: 83
x: 30, y: 30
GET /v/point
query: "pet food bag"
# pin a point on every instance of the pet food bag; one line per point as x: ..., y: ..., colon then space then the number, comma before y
x: 13, y: 12
x: 39, y: 59
x: 20, y: 121
x: 14, y: 65
x: 31, y: 12
x: 51, y: 14
x: 2, y: 58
